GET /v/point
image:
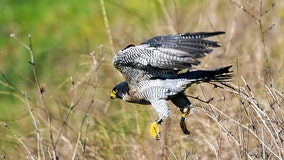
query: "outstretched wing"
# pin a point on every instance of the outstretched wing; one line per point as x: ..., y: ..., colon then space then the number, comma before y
x: 192, y: 43
x: 163, y: 56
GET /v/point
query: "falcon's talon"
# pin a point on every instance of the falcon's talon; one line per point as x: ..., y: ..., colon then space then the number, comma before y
x: 183, y: 119
x: 184, y: 128
x: 155, y: 130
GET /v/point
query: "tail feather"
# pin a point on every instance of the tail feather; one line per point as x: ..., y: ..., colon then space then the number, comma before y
x: 222, y: 74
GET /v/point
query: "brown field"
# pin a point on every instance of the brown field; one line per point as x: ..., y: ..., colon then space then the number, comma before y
x: 68, y: 114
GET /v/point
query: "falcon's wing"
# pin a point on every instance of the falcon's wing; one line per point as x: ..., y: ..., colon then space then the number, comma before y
x: 192, y: 43
x: 163, y: 54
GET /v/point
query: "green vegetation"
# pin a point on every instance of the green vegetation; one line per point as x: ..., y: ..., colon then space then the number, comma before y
x: 54, y: 90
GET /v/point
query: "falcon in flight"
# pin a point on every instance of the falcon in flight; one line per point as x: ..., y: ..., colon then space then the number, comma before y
x: 153, y: 73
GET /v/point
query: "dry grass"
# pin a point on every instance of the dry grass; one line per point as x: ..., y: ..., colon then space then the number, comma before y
x: 243, y: 121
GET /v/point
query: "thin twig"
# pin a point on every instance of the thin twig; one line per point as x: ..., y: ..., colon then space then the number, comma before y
x: 80, y: 131
x: 39, y: 138
x: 74, y: 103
x: 201, y: 100
x: 18, y: 139
x: 107, y: 25
x: 229, y: 133
x: 260, y: 113
x: 68, y: 113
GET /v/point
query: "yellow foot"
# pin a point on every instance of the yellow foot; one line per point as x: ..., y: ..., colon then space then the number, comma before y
x: 182, y: 122
x: 155, y: 130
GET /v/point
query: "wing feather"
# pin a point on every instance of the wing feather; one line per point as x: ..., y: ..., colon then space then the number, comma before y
x: 163, y: 56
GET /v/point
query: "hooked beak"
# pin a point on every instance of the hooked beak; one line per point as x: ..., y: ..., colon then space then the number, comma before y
x: 112, y: 95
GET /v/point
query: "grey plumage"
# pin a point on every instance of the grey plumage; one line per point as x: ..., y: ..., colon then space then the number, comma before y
x: 152, y: 70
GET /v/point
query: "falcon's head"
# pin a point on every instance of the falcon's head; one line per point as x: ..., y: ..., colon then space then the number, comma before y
x: 119, y: 90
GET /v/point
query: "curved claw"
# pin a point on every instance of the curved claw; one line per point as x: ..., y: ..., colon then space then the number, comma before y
x: 182, y: 122
x: 155, y: 130
x: 183, y: 126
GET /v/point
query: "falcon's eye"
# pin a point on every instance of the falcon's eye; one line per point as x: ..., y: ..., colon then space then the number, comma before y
x: 113, y: 93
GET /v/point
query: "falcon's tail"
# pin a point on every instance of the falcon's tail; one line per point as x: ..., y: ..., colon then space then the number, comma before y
x: 222, y: 74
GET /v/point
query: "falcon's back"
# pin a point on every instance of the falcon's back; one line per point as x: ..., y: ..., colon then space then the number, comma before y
x: 163, y: 56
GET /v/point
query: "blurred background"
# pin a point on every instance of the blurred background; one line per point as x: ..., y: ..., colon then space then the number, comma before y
x: 73, y: 113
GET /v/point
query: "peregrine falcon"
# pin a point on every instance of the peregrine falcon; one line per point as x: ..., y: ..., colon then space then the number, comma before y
x: 160, y: 69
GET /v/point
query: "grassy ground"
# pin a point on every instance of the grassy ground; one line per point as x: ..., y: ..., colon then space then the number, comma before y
x: 55, y: 89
